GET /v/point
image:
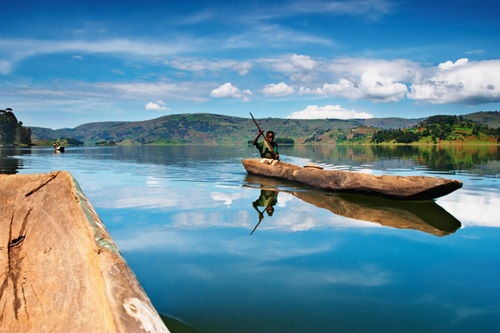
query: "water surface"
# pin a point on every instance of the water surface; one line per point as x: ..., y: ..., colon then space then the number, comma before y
x: 192, y: 225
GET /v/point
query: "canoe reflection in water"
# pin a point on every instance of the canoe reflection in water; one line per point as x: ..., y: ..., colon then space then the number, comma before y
x: 425, y: 216
x: 267, y: 199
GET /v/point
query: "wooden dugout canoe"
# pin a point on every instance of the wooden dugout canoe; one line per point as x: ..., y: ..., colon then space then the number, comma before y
x: 60, y: 269
x: 387, y: 186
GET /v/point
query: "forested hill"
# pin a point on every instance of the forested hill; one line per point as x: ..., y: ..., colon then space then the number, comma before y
x: 201, y: 128
x: 488, y: 118
x: 437, y: 129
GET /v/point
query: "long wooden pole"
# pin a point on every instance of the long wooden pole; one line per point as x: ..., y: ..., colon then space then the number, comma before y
x: 265, y: 137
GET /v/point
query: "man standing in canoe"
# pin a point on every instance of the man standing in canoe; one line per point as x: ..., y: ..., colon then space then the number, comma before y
x: 267, y: 148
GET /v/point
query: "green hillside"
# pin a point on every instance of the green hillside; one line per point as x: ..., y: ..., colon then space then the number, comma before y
x: 440, y: 129
x: 488, y: 118
x: 197, y: 128
x: 202, y: 128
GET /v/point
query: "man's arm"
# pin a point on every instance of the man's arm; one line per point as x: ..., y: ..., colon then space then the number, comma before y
x: 257, y: 137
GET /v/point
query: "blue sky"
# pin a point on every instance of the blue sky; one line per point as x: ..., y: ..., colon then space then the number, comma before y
x: 63, y: 64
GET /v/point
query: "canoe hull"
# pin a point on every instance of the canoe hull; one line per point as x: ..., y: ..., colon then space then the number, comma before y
x: 387, y: 186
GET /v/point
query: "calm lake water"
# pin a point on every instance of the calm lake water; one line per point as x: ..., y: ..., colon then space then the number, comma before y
x: 186, y: 219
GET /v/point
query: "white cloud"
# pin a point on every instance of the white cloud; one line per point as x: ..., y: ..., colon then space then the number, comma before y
x: 189, y: 91
x: 202, y: 65
x: 227, y: 90
x: 354, y: 68
x: 303, y: 62
x: 243, y: 68
x: 462, y: 82
x: 298, y: 67
x: 19, y: 49
x: 328, y: 111
x: 371, y: 86
x: 375, y: 80
x: 371, y: 79
x: 159, y: 105
x: 268, y: 36
x: 448, y: 65
x: 280, y: 89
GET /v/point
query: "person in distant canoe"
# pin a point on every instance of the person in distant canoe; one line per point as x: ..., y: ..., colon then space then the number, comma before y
x: 263, y: 146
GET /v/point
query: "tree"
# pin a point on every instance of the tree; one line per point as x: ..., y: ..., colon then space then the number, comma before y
x: 11, y: 131
x: 23, y: 135
x: 8, y: 124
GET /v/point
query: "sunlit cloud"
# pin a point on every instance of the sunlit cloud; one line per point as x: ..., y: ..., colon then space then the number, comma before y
x: 277, y: 90
x: 462, y: 82
x: 156, y: 106
x: 449, y: 64
x: 374, y: 80
x: 368, y: 79
x: 399, y: 70
x: 328, y: 112
x: 289, y: 64
x: 227, y: 90
x: 302, y: 61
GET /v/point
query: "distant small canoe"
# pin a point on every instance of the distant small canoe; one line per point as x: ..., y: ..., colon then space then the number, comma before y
x: 387, y: 186
x: 59, y: 149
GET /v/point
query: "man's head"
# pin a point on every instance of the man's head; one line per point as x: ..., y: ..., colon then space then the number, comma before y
x: 270, y: 135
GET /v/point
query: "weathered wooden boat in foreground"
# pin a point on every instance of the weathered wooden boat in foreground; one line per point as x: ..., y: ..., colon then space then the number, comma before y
x: 387, y: 186
x: 60, y: 269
